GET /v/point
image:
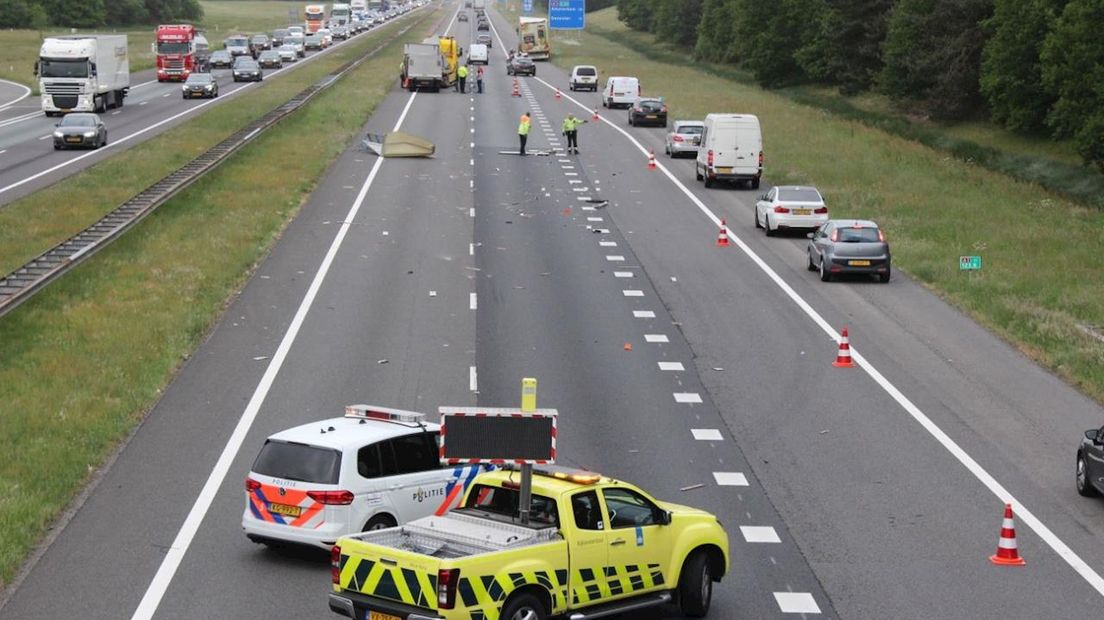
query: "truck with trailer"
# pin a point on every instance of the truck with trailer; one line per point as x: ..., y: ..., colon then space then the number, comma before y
x: 423, y: 66
x: 176, y: 47
x: 315, y: 17
x: 83, y: 73
x: 533, y: 38
x: 340, y: 14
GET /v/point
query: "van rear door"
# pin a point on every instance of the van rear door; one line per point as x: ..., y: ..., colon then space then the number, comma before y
x: 736, y: 144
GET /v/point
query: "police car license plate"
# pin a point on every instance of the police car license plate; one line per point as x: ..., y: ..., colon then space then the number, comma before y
x: 284, y: 509
x: 803, y: 211
x: 859, y: 263
x: 375, y: 615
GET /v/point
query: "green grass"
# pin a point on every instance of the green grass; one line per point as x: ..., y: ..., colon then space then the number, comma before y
x: 83, y: 361
x: 19, y: 48
x: 1043, y: 253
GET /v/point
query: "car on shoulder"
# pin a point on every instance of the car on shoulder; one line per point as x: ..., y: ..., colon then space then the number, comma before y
x: 221, y: 59
x: 790, y: 207
x: 484, y: 38
x: 80, y: 129
x: 648, y: 111
x: 849, y: 246
x: 521, y: 65
x: 288, y: 53
x: 684, y: 137
x: 270, y: 59
x: 247, y: 70
x: 1090, y: 463
x: 201, y: 85
x: 314, y: 41
x: 584, y: 77
x: 371, y: 469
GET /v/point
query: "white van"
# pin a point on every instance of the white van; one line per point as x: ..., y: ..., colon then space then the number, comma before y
x: 584, y: 77
x: 731, y: 150
x: 621, y: 91
x: 477, y: 54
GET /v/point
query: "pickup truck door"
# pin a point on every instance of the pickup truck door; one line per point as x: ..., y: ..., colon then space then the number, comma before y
x: 639, y: 546
x: 588, y: 551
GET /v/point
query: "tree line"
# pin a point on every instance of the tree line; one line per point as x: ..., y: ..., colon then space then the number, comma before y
x: 1028, y: 65
x: 38, y: 14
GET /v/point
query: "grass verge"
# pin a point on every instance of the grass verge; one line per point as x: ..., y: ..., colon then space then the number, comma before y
x: 1043, y: 254
x: 83, y: 361
x: 19, y: 48
x: 1053, y: 165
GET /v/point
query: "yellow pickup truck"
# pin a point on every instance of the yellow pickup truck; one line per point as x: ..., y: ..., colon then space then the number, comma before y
x: 592, y: 547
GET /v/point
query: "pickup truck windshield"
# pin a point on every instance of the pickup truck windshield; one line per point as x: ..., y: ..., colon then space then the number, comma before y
x: 63, y: 68
x: 502, y: 502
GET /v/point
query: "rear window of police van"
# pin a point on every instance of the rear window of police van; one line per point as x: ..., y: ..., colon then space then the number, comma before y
x: 300, y: 462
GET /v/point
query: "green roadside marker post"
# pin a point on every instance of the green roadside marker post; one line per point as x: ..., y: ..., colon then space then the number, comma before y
x: 969, y: 263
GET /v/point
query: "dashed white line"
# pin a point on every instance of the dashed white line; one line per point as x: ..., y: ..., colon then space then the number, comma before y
x: 473, y: 380
x: 615, y: 258
x: 676, y: 366
x: 687, y: 397
x: 471, y: 212
x: 607, y: 244
x: 656, y: 338
x: 760, y: 534
x: 706, y: 434
x: 730, y: 478
x: 473, y: 303
x: 643, y: 314
x: 46, y: 137
x: 471, y: 249
x: 595, y: 219
x: 623, y: 274
x: 632, y: 293
x: 796, y: 603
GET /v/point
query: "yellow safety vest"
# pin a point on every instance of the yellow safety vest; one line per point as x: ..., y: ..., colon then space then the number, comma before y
x: 571, y: 124
x: 523, y: 127
x: 462, y: 71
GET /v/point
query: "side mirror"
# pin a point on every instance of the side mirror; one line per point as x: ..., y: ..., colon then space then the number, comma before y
x: 1093, y: 435
x: 664, y: 517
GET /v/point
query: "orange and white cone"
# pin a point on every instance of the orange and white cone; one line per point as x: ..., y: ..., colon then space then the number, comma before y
x: 594, y: 116
x: 557, y: 94
x: 722, y: 237
x: 651, y: 159
x: 843, y: 358
x: 517, y: 89
x: 1007, y: 554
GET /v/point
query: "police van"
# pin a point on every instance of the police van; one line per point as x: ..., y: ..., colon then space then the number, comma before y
x: 372, y: 469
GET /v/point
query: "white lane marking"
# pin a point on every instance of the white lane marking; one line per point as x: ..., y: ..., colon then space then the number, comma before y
x: 26, y: 93
x: 595, y: 219
x: 46, y: 137
x: 143, y: 103
x: 706, y: 434
x: 643, y: 314
x: 471, y: 212
x: 759, y: 534
x: 632, y: 293
x: 687, y: 397
x: 614, y: 258
x: 1027, y: 517
x: 796, y: 603
x: 19, y: 119
x: 175, y: 552
x: 607, y: 244
x: 580, y: 189
x: 3, y: 151
x: 623, y: 274
x: 574, y: 180
x: 583, y: 198
x: 656, y: 338
x: 571, y: 174
x: 116, y: 112
x: 473, y: 379
x: 166, y: 94
x: 586, y: 208
x: 567, y: 167
x: 471, y: 249
x: 472, y: 301
x: 730, y: 479
x: 675, y: 366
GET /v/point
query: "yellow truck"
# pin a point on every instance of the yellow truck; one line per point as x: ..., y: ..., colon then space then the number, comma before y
x: 591, y: 547
x: 450, y: 52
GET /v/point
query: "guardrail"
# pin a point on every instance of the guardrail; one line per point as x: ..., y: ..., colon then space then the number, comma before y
x: 23, y: 283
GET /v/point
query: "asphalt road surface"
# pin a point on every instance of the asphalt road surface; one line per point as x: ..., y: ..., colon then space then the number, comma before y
x: 28, y: 161
x: 12, y: 93
x: 884, y: 484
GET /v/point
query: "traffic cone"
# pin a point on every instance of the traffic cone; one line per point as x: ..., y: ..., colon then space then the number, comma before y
x: 722, y: 237
x: 557, y: 94
x: 843, y: 358
x: 517, y: 89
x: 651, y: 159
x: 1007, y: 554
x: 594, y: 117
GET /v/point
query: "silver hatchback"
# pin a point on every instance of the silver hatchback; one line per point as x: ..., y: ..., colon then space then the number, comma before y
x: 849, y: 246
x: 684, y: 137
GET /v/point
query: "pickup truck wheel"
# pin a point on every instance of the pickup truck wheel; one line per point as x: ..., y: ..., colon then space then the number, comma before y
x: 379, y: 522
x: 523, y: 607
x: 695, y: 586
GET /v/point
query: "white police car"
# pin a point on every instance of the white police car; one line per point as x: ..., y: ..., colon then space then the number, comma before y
x: 371, y: 469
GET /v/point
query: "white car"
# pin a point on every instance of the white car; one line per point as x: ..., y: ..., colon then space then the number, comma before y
x: 684, y: 137
x: 371, y: 469
x: 327, y: 36
x: 288, y: 53
x: 296, y: 30
x: 790, y: 206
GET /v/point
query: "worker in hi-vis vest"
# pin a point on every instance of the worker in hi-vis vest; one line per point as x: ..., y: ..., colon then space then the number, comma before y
x: 571, y: 131
x: 523, y: 131
x: 462, y: 75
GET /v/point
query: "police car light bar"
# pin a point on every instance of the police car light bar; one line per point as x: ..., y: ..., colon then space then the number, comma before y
x: 369, y: 412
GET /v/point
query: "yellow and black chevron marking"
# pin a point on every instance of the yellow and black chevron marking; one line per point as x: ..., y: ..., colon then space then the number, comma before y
x: 614, y: 581
x: 483, y: 596
x: 390, y: 582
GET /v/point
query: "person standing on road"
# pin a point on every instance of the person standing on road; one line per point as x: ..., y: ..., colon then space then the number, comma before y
x: 523, y: 131
x: 462, y: 75
x: 479, y: 79
x: 571, y: 130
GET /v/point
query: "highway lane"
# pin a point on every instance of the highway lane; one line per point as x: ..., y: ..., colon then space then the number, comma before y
x: 906, y: 519
x: 12, y: 93
x: 28, y: 161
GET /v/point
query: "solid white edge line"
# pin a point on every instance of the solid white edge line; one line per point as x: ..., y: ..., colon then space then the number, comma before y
x: 1026, y: 516
x: 175, y: 553
x: 26, y: 93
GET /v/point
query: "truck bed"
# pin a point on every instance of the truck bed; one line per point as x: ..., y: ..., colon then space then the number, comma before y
x: 457, y: 535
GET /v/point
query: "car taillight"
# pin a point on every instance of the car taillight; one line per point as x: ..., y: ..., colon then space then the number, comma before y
x: 335, y: 565
x: 881, y: 235
x: 760, y: 159
x: 252, y: 485
x: 709, y: 157
x: 331, y: 498
x: 820, y: 210
x: 780, y: 209
x: 446, y: 587
x: 835, y: 235
x: 677, y: 138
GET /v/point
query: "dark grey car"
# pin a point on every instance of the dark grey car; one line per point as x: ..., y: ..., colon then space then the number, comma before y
x: 1090, y: 463
x: 849, y: 246
x: 200, y: 85
x: 221, y: 59
x: 80, y: 129
x: 247, y: 70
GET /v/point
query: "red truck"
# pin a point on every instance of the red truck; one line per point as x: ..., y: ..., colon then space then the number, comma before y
x: 181, y: 50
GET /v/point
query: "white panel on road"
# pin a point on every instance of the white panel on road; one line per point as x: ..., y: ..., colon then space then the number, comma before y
x: 595, y: 219
x: 676, y: 366
x: 730, y: 478
x: 615, y: 258
x: 607, y: 244
x: 796, y: 603
x: 707, y: 434
x: 622, y: 274
x: 632, y: 293
x: 687, y: 397
x: 759, y: 534
x: 642, y: 314
x: 655, y: 338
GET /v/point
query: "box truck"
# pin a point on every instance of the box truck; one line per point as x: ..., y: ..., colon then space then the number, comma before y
x: 533, y: 38
x: 83, y: 73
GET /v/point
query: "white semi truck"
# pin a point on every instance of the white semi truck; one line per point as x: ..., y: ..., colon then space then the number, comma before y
x: 83, y: 73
